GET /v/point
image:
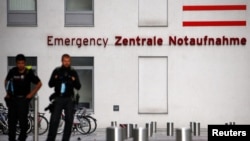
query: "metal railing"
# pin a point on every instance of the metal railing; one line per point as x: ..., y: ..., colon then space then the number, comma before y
x: 36, y: 107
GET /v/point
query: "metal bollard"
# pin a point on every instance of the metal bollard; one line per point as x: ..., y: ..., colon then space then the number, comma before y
x: 195, y: 128
x: 191, y: 126
x: 199, y: 129
x: 114, y: 134
x: 124, y: 131
x: 36, y: 104
x: 140, y: 134
x: 170, y: 129
x: 154, y: 123
x: 183, y: 134
x: 230, y: 123
x: 130, y: 130
x: 113, y: 123
x: 149, y: 127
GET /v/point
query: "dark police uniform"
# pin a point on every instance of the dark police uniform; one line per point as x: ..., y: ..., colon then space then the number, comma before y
x: 18, y: 104
x: 63, y: 100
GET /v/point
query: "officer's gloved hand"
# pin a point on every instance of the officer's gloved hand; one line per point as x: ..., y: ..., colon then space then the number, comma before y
x: 52, y: 97
x: 50, y: 107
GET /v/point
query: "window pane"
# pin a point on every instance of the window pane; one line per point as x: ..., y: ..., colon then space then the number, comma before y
x: 153, y: 85
x: 22, y: 4
x: 84, y: 67
x: 82, y: 61
x: 79, y: 5
x: 86, y: 91
x: 153, y: 13
x: 30, y: 61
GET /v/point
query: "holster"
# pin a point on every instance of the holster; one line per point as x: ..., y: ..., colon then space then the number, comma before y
x: 7, y: 101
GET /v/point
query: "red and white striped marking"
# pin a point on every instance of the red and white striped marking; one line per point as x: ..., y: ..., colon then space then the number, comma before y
x: 214, y: 14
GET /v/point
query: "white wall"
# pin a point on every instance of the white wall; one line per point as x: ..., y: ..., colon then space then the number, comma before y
x: 209, y: 84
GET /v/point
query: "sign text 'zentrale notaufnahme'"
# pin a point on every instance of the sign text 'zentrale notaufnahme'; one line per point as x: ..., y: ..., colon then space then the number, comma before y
x: 140, y: 41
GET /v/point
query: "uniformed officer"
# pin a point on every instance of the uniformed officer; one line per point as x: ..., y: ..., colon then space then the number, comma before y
x: 64, y: 79
x: 19, y: 93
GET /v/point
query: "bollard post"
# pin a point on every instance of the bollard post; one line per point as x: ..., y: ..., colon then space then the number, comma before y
x: 154, y: 123
x: 114, y: 134
x: 113, y: 123
x: 124, y: 131
x: 36, y: 103
x: 183, y: 134
x: 199, y: 129
x: 170, y: 129
x: 150, y: 129
x: 230, y: 123
x: 129, y: 130
x: 191, y: 126
x: 195, y: 128
x: 140, y: 134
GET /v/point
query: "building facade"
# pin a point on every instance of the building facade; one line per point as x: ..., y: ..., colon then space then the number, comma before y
x: 138, y: 60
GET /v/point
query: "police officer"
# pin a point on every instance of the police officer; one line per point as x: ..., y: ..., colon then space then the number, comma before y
x: 64, y: 79
x: 19, y: 93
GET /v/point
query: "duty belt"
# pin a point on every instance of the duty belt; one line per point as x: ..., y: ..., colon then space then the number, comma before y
x: 19, y: 96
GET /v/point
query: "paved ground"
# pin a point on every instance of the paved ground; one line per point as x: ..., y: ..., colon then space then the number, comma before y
x: 100, y: 135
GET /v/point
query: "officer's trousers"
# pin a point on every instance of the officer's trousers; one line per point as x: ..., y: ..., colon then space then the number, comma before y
x: 66, y: 104
x: 18, y: 109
